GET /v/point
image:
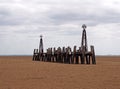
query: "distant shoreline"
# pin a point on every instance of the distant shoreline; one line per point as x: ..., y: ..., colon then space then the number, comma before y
x: 16, y: 55
x: 96, y: 55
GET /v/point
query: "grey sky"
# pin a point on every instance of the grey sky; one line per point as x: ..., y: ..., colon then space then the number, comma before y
x: 23, y: 21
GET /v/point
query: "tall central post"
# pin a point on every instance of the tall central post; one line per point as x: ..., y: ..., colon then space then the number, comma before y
x: 84, y: 39
x: 41, y: 45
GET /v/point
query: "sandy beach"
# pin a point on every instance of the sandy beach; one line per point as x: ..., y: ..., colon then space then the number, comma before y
x: 20, y: 72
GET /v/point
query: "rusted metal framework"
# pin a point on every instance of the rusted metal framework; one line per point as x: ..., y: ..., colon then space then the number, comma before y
x: 66, y: 55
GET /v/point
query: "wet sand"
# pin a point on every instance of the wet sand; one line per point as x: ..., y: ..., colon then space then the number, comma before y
x: 20, y: 72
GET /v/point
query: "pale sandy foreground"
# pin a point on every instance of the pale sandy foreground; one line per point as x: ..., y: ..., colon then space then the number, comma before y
x: 23, y: 73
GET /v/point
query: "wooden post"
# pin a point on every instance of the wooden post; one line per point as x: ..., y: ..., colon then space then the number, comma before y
x: 55, y: 54
x: 45, y: 56
x: 35, y: 55
x: 59, y: 54
x: 63, y: 55
x: 93, y: 55
x: 83, y: 55
x: 74, y: 54
x: 50, y: 54
x: 66, y: 60
x: 70, y: 56
x: 77, y: 57
x: 87, y: 55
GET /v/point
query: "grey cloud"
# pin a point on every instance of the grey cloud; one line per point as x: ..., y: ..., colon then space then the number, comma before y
x: 60, y: 21
x: 2, y: 35
x: 35, y: 29
x: 74, y: 12
x: 107, y: 16
x: 7, y: 17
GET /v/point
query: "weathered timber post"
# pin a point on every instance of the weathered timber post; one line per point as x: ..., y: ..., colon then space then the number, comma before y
x: 77, y: 57
x: 59, y: 54
x: 67, y: 58
x: 35, y: 55
x: 68, y: 55
x: 89, y: 58
x: 45, y: 56
x: 49, y: 54
x: 41, y: 49
x: 74, y: 54
x: 83, y: 55
x: 55, y: 55
x: 88, y: 55
x: 63, y: 55
x: 71, y: 56
x: 93, y: 55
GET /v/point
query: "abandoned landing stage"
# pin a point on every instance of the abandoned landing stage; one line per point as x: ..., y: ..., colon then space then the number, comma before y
x: 66, y: 55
